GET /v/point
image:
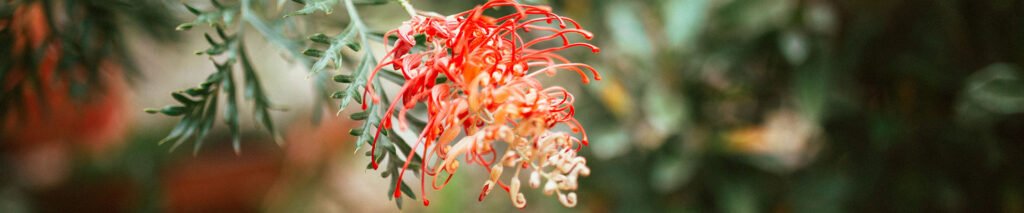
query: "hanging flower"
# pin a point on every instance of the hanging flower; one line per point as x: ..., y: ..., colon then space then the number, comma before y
x: 490, y: 93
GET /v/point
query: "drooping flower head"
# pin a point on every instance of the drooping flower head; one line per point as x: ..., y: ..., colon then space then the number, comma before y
x: 489, y: 94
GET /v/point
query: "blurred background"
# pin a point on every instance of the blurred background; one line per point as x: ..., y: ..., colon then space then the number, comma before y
x: 704, y: 106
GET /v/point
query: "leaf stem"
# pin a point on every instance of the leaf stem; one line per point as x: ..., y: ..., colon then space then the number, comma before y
x: 408, y: 8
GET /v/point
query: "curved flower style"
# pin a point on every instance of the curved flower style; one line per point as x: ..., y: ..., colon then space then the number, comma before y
x: 489, y: 93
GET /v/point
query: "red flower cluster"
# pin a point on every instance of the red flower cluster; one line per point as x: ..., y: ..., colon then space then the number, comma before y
x: 490, y: 94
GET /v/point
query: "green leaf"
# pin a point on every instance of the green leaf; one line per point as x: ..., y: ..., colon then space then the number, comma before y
x: 215, y: 48
x: 178, y: 130
x: 333, y: 52
x: 320, y: 38
x: 189, y: 130
x: 420, y: 38
x: 356, y: 95
x: 371, y: 2
x: 191, y: 9
x: 313, y: 5
x: 359, y: 115
x: 338, y: 95
x: 356, y: 132
x: 407, y: 190
x: 184, y: 26
x: 343, y: 78
x: 997, y: 88
x: 208, y: 118
x: 416, y: 124
x: 313, y: 52
x: 195, y: 91
x: 231, y: 111
x: 253, y: 90
x: 399, y: 142
x: 222, y: 16
x: 217, y: 4
x: 182, y: 99
x: 173, y: 110
x: 398, y: 201
x: 393, y: 76
x: 441, y: 79
x: 353, y: 89
x: 200, y: 103
x: 354, y: 46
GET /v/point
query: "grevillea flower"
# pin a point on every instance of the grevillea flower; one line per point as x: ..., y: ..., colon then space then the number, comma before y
x: 490, y: 94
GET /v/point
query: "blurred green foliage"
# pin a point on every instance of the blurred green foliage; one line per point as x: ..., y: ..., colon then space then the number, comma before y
x: 805, y: 106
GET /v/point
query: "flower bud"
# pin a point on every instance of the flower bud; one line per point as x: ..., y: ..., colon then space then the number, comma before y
x: 583, y: 170
x: 519, y: 200
x: 567, y: 200
x: 549, y: 188
x: 514, y: 186
x: 488, y: 185
x: 534, y: 179
x: 496, y: 172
